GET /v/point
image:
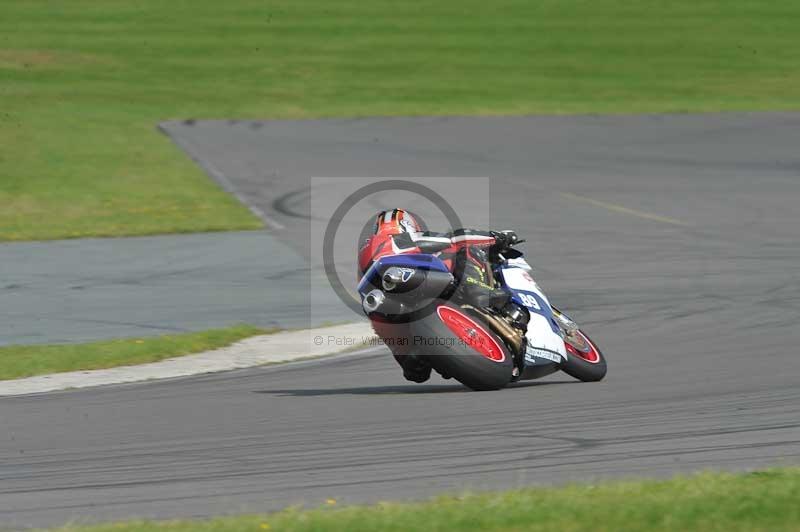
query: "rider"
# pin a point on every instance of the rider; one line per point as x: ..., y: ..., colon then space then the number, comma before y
x: 467, y: 254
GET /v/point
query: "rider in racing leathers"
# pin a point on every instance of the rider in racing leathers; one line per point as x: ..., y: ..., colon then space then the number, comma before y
x: 465, y: 252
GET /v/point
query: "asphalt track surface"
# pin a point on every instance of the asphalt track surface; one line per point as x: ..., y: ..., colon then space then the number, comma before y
x: 672, y: 240
x: 93, y: 289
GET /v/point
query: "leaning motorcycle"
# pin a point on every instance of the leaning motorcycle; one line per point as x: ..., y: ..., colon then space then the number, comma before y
x: 409, y: 298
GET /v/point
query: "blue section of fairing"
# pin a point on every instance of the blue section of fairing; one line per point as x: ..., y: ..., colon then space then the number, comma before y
x: 419, y: 261
x: 543, y: 310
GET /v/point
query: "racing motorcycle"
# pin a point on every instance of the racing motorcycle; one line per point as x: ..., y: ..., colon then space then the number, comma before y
x: 483, y: 347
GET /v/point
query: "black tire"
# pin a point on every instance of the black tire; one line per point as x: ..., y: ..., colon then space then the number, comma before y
x: 583, y: 370
x: 451, y: 357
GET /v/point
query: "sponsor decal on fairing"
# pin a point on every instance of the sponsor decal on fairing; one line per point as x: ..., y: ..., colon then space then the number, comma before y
x: 532, y: 353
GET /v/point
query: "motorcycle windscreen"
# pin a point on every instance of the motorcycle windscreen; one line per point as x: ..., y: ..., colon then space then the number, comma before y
x: 544, y: 340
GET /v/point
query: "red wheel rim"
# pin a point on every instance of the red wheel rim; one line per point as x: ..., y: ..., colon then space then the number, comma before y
x: 587, y: 351
x: 472, y: 334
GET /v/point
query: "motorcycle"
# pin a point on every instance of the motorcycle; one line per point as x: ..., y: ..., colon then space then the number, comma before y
x: 409, y: 299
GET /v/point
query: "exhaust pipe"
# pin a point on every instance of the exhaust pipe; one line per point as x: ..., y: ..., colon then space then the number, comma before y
x: 395, y: 276
x: 424, y: 283
x: 373, y: 301
x: 515, y: 337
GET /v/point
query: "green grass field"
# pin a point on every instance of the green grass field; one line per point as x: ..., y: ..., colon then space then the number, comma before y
x: 83, y: 83
x: 29, y: 360
x: 767, y: 500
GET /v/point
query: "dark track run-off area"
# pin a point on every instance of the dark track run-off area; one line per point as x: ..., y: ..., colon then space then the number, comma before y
x: 674, y: 240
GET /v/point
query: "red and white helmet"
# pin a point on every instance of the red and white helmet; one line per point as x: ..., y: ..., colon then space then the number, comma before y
x: 395, y: 222
x: 387, y: 224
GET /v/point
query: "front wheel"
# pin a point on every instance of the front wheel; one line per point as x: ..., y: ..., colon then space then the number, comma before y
x: 584, y: 359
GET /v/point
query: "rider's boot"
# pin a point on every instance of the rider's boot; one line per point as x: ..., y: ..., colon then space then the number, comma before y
x: 414, y: 369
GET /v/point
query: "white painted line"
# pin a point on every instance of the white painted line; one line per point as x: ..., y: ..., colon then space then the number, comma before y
x: 256, y: 351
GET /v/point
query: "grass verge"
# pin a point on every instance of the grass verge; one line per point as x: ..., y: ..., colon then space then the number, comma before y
x: 766, y: 500
x: 83, y: 83
x: 28, y: 360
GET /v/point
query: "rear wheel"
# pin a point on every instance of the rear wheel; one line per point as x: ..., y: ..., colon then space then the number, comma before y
x: 584, y: 359
x: 458, y: 344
